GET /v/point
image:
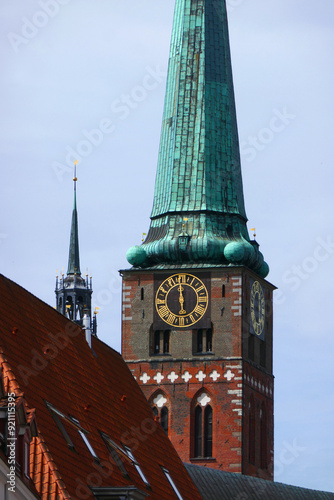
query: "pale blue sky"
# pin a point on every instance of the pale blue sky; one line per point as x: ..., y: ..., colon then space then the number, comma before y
x: 84, y: 65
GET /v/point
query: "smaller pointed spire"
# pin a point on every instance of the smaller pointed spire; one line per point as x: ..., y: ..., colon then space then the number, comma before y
x: 73, y: 258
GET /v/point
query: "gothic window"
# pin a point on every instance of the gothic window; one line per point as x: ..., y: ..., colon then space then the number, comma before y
x: 251, y: 431
x: 159, y: 405
x: 263, y: 436
x: 202, y: 427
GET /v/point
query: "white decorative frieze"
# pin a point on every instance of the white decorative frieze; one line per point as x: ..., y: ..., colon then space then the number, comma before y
x: 187, y: 376
x: 144, y: 378
x: 200, y: 376
x: 158, y: 377
x: 214, y: 375
x: 172, y: 377
x: 229, y: 375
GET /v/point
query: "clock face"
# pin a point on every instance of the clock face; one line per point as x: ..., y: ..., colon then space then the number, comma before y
x: 181, y: 300
x: 257, y: 307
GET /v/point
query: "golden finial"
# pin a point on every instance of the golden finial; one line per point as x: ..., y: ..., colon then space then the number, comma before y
x: 253, y: 229
x: 142, y: 238
x: 75, y: 170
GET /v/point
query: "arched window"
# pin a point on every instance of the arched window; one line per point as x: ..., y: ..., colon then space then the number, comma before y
x: 159, y: 405
x: 202, y: 427
x: 251, y: 428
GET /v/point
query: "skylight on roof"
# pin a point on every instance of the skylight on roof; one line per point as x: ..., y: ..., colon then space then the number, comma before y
x: 136, y: 464
x: 171, y: 482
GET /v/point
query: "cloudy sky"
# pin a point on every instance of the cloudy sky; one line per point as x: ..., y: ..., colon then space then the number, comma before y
x: 86, y: 79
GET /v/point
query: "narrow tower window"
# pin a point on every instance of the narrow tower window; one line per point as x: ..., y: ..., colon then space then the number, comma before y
x: 198, y: 432
x: 166, y: 341
x: 200, y: 341
x: 251, y: 434
x: 208, y: 431
x: 263, y: 445
x: 142, y: 294
x: 223, y: 291
x: 209, y: 340
x: 164, y: 419
x: 157, y: 342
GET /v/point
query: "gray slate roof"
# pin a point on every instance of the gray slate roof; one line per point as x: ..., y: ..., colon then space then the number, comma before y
x: 220, y: 485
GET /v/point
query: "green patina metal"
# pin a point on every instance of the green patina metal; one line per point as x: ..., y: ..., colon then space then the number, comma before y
x: 73, y: 257
x: 198, y: 213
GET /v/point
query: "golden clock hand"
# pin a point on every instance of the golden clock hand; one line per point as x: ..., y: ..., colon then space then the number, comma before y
x: 181, y: 300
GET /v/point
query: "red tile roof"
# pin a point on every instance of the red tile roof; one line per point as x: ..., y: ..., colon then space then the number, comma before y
x: 46, y: 357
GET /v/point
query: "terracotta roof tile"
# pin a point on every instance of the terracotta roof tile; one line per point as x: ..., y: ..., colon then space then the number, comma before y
x: 50, y: 360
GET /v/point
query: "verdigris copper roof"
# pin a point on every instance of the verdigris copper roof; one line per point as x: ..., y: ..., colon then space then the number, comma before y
x: 220, y: 485
x: 198, y: 211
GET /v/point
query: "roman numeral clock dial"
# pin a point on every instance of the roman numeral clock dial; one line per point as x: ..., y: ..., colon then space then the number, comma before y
x: 182, y: 301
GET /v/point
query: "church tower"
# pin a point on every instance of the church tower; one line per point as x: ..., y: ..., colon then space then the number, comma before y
x: 73, y: 292
x: 197, y: 309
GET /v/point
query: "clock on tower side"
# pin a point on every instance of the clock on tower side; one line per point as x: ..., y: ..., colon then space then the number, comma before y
x: 200, y: 346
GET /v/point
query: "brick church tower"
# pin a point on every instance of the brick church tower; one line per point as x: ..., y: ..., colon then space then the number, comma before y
x: 197, y: 310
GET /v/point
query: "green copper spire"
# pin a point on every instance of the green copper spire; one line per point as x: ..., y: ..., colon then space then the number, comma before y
x: 198, y: 214
x: 73, y: 258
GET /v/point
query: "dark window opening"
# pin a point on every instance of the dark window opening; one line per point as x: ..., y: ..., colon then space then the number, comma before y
x: 164, y: 419
x: 142, y: 294
x: 198, y: 432
x: 166, y: 341
x: 263, y: 352
x: 251, y: 438
x: 203, y: 432
x: 208, y: 431
x: 223, y: 291
x: 251, y: 347
x: 200, y: 341
x: 209, y: 340
x: 263, y: 442
x: 157, y: 342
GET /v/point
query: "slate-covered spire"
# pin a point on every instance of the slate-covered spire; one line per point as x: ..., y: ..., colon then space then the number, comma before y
x: 73, y: 258
x: 73, y: 291
x: 198, y: 214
